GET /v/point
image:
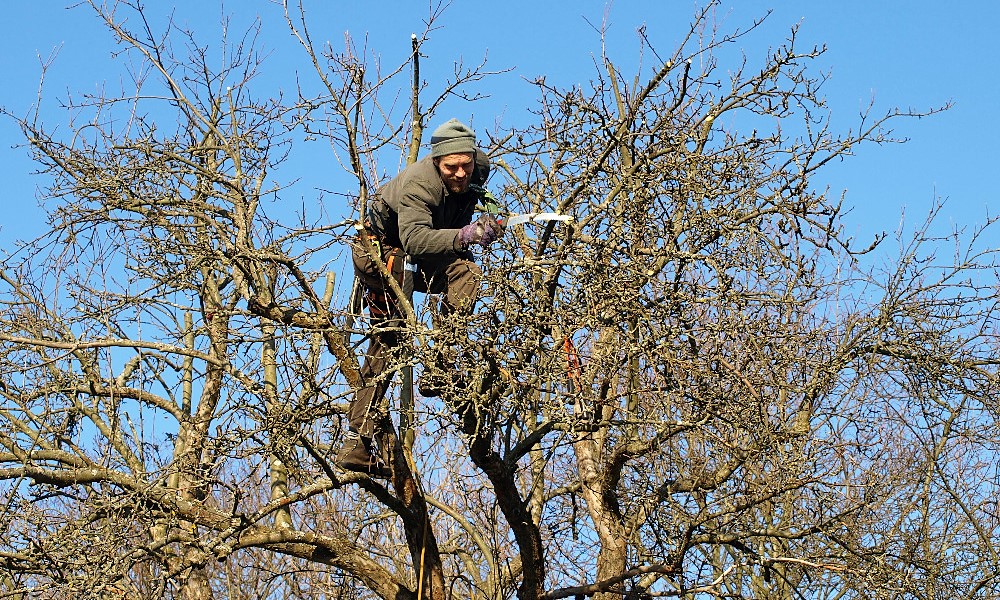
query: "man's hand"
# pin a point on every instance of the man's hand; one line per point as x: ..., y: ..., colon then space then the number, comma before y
x: 484, y: 231
x: 491, y: 229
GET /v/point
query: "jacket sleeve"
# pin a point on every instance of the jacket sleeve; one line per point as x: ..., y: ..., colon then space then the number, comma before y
x: 420, y: 239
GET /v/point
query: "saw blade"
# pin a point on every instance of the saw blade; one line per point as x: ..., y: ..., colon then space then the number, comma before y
x: 537, y: 217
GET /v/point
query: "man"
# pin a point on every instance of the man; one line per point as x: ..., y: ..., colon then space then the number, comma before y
x: 425, y: 213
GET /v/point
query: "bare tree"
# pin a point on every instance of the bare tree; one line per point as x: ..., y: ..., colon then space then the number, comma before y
x: 698, y: 387
x: 133, y: 377
x: 704, y: 377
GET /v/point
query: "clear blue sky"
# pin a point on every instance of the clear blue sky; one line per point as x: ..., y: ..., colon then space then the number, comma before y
x: 916, y: 54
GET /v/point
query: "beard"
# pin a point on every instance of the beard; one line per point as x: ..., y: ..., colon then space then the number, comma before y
x: 456, y: 187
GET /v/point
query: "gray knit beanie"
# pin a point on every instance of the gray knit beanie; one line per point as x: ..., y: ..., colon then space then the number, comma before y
x: 453, y: 137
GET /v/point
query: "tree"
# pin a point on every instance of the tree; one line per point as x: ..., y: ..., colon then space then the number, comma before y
x: 698, y: 387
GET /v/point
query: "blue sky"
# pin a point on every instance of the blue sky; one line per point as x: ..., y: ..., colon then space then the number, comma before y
x: 918, y: 54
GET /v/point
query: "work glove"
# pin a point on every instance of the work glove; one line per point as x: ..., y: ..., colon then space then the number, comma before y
x: 484, y: 231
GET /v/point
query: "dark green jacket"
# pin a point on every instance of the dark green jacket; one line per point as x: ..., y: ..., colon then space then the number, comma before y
x: 416, y: 212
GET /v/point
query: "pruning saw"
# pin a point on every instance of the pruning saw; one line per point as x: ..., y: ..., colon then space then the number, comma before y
x: 542, y: 217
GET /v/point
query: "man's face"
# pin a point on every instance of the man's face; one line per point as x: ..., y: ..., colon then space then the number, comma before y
x: 456, y: 171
